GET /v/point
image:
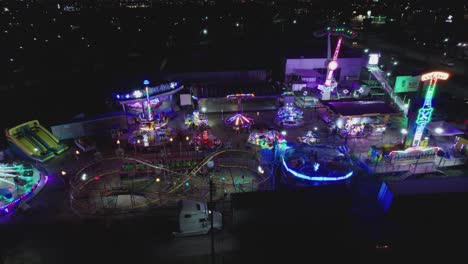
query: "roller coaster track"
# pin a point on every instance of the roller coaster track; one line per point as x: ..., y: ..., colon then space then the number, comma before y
x: 204, y: 162
x: 186, y: 177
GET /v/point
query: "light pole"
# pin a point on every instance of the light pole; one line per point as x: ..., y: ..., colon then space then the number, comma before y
x: 211, y: 212
x: 135, y: 145
x: 404, y: 132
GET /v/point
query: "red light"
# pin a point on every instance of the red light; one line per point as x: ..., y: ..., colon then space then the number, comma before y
x: 96, y: 178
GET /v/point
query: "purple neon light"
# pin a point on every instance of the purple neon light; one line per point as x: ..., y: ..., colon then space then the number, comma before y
x: 17, y: 200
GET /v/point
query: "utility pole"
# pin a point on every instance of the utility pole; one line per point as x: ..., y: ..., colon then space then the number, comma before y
x: 211, y: 209
x: 275, y: 174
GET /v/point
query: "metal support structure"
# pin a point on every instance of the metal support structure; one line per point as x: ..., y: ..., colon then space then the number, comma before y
x: 211, y: 210
x: 425, y: 112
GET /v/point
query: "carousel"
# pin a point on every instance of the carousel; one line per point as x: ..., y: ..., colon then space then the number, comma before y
x: 289, y: 116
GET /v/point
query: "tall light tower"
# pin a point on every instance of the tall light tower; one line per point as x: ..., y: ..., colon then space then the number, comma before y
x: 148, y: 102
x: 425, y: 112
x: 332, y: 62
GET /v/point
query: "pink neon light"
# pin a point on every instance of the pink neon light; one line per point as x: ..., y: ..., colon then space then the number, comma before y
x: 337, y: 49
x: 332, y: 65
x: 435, y: 75
x: 414, y: 149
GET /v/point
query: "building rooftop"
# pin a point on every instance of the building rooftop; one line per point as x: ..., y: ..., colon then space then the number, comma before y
x: 429, y: 186
x: 356, y: 108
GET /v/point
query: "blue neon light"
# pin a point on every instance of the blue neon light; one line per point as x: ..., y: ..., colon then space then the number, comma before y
x: 316, y: 178
x: 316, y: 166
x: 146, y: 82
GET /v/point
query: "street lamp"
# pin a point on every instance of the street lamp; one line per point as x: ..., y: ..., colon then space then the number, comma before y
x: 84, y: 176
x: 205, y: 31
x: 203, y: 109
x: 260, y: 169
x: 366, y: 50
x: 439, y: 130
x: 404, y: 132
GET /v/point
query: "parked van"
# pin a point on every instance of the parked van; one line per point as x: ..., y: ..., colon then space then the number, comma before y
x: 194, y: 219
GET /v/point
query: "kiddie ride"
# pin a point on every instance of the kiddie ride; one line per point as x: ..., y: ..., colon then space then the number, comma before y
x: 205, y: 141
x: 289, y: 116
x: 196, y: 121
x: 266, y: 138
x: 310, y: 138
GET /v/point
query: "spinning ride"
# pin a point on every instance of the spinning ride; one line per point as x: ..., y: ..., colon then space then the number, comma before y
x: 205, y: 141
x: 310, y: 138
x: 196, y: 120
x: 17, y: 183
x: 239, y: 122
x: 289, y: 116
x: 266, y: 138
x: 316, y: 164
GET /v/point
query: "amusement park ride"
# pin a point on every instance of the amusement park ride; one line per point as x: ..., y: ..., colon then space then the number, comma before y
x: 239, y: 121
x: 332, y: 62
x: 425, y: 112
x: 418, y: 152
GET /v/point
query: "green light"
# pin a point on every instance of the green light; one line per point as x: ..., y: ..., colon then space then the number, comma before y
x: 223, y: 178
x: 187, y: 184
x: 328, y: 28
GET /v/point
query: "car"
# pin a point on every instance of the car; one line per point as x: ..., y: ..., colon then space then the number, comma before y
x: 448, y: 62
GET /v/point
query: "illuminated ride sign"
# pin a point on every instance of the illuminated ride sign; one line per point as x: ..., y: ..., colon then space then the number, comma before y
x: 138, y: 94
x: 413, y: 154
x: 235, y: 96
x: 425, y: 112
x: 373, y: 59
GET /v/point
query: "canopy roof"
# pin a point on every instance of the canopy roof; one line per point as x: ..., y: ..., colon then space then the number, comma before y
x: 447, y: 129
